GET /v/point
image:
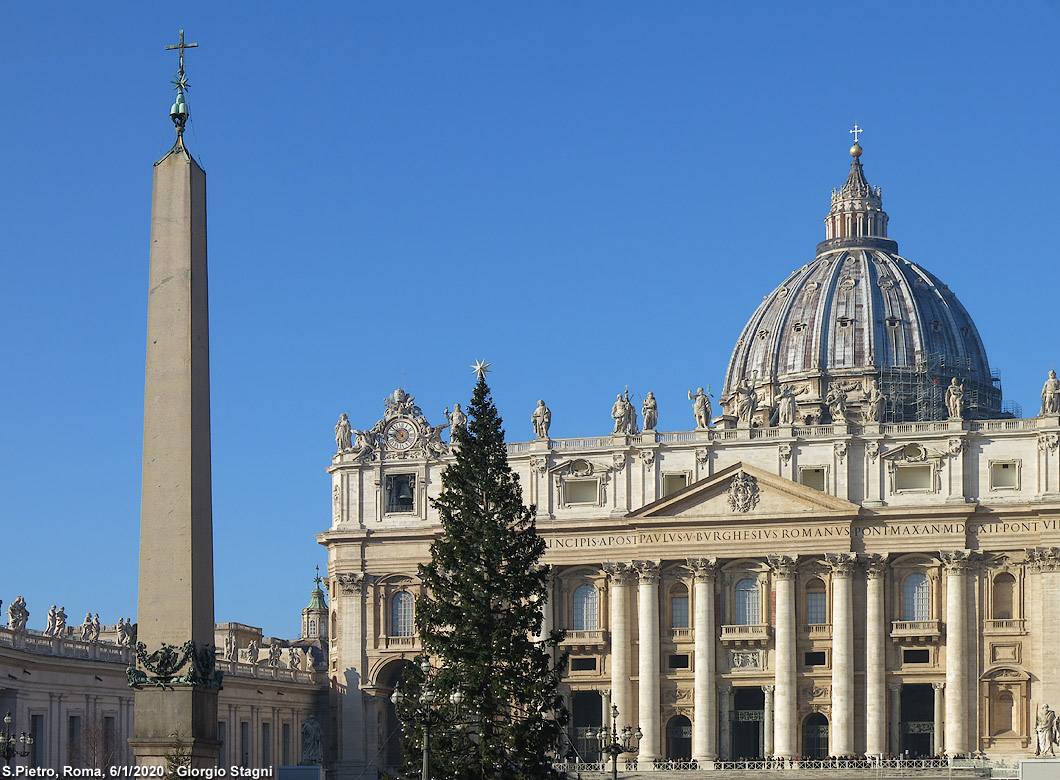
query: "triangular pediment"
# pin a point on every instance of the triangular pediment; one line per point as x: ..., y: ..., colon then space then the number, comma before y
x: 746, y: 491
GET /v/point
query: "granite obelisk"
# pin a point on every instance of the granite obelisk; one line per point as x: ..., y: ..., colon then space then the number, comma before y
x: 176, y: 687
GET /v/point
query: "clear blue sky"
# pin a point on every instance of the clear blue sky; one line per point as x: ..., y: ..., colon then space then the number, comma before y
x: 587, y: 194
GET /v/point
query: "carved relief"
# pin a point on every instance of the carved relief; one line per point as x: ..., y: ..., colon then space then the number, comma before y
x: 743, y: 492
x: 746, y: 659
x: 702, y: 456
x: 840, y: 448
x: 956, y: 447
x: 1048, y: 441
x: 352, y: 583
x: 538, y: 465
x: 785, y: 452
x: 872, y: 449
x: 619, y: 460
x: 1045, y: 559
x: 814, y: 692
x: 647, y: 457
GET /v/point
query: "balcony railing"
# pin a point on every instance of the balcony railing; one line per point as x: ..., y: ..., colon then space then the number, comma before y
x: 681, y: 634
x: 924, y: 630
x: 585, y: 637
x: 1008, y: 626
x: 751, y: 634
x: 819, y: 630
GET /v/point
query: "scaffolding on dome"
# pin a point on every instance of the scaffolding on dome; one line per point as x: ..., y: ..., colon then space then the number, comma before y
x: 918, y: 393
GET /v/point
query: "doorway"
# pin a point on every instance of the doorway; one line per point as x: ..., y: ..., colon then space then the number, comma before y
x: 918, y: 720
x: 679, y: 739
x: 586, y: 718
x: 815, y: 736
x: 748, y: 707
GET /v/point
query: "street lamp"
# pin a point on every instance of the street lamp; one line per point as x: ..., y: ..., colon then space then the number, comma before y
x: 9, y: 742
x: 614, y: 743
x: 425, y: 712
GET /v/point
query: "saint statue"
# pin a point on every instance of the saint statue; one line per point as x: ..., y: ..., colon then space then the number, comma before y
x: 874, y: 404
x: 1051, y: 395
x: 1046, y: 728
x: 17, y: 614
x: 955, y: 399
x: 456, y: 420
x: 49, y: 629
x: 294, y: 658
x: 343, y: 438
x: 312, y: 742
x: 786, y: 406
x: 650, y: 410
x: 541, y: 420
x: 86, y: 628
x: 700, y: 408
x: 60, y: 622
x: 745, y: 401
x: 837, y: 403
x: 252, y: 652
x: 624, y: 416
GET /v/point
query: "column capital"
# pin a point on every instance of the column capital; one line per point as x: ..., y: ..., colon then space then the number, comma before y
x: 768, y: 689
x: 647, y: 571
x: 875, y: 565
x: 351, y: 583
x: 957, y: 561
x: 938, y: 686
x: 724, y: 690
x: 1044, y: 558
x: 894, y: 686
x: 841, y: 564
x: 703, y: 569
x: 619, y: 573
x: 783, y: 566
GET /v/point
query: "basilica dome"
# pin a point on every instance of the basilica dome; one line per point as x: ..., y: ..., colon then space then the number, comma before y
x: 860, y: 312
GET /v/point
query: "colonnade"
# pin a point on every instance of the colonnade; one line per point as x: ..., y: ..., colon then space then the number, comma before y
x: 712, y: 696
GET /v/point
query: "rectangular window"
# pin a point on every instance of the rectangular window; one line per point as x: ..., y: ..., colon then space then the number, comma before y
x: 40, y: 739
x: 266, y: 744
x: 1004, y: 475
x: 916, y: 656
x: 678, y: 661
x: 583, y: 664
x: 285, y: 736
x: 816, y: 608
x: 582, y: 491
x: 73, y: 741
x: 679, y: 612
x: 812, y: 477
x: 815, y: 659
x: 244, y: 744
x: 912, y: 478
x: 674, y: 482
x: 401, y: 493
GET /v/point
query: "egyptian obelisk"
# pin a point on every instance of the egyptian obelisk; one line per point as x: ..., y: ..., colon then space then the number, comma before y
x: 176, y: 696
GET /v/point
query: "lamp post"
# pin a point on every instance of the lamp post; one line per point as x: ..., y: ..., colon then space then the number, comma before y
x: 427, y: 711
x: 614, y: 743
x: 8, y: 742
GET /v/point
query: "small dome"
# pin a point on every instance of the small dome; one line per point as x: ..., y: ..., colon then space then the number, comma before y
x: 859, y: 311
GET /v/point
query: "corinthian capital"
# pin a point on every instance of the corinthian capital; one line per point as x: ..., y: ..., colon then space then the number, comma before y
x: 352, y: 583
x: 783, y: 566
x: 875, y: 565
x: 619, y: 573
x: 648, y: 571
x: 841, y: 564
x: 703, y: 569
x: 957, y: 561
x: 1044, y: 558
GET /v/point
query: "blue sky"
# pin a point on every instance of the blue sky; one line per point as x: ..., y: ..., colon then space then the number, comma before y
x: 586, y: 194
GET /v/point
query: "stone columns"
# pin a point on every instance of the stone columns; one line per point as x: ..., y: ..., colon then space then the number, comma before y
x: 875, y: 658
x: 785, y: 743
x: 956, y: 563
x: 767, y: 722
x: 1046, y: 561
x: 648, y: 666
x: 704, y: 720
x: 348, y: 591
x: 726, y: 722
x: 841, y: 731
x: 895, y: 731
x: 940, y: 741
x: 620, y: 576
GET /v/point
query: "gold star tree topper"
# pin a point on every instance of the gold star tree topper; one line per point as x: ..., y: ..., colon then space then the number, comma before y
x: 481, y: 368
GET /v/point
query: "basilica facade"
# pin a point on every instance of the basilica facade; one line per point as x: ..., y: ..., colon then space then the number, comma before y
x: 857, y: 554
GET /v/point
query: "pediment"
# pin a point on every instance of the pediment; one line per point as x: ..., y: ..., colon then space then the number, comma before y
x: 746, y: 491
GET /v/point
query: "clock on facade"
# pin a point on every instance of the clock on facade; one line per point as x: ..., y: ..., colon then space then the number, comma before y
x: 400, y: 434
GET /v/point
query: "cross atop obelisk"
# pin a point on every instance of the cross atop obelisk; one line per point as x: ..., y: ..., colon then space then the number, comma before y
x: 175, y: 606
x: 179, y: 112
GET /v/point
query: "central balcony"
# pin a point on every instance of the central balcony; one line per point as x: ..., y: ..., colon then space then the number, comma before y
x: 916, y: 631
x: 755, y: 635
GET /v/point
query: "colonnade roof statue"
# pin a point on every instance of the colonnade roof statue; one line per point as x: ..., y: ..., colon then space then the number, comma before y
x: 860, y: 311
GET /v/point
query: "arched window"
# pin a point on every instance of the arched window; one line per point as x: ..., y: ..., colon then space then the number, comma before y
x: 1004, y: 590
x: 747, y: 607
x: 916, y: 598
x: 312, y: 628
x: 816, y: 602
x: 679, y: 606
x: 401, y: 614
x: 585, y: 612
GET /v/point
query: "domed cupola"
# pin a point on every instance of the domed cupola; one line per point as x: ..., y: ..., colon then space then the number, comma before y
x: 860, y: 312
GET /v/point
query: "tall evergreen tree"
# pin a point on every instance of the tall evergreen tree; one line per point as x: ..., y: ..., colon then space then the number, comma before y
x: 479, y: 615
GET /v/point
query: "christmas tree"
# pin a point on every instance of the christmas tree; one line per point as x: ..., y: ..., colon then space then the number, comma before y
x: 488, y: 698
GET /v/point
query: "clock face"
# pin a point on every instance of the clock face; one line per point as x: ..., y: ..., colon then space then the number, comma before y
x: 400, y: 434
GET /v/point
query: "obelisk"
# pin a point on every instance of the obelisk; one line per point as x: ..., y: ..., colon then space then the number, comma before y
x: 176, y: 696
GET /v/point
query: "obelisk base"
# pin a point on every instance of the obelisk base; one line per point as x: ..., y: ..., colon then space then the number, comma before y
x: 157, y: 710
